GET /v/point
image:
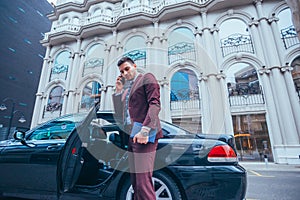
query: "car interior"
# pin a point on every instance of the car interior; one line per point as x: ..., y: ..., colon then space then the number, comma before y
x: 103, y: 152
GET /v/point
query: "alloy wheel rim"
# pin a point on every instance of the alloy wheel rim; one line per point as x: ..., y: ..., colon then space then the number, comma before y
x: 162, y: 191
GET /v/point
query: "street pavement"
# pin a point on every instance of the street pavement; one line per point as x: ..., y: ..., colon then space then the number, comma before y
x: 271, y: 181
x: 269, y: 166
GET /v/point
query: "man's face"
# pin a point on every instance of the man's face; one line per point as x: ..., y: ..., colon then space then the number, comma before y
x: 128, y: 70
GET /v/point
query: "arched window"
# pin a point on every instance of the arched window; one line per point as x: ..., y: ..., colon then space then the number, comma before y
x: 235, y: 37
x: 61, y: 66
x: 94, y: 59
x: 181, y: 45
x: 184, y: 93
x: 180, y: 35
x: 65, y: 20
x: 296, y: 74
x: 184, y: 86
x: 109, y: 11
x: 91, y: 94
x: 97, y: 11
x: 55, y: 100
x: 287, y: 29
x: 76, y: 20
x: 243, y: 85
x: 135, y: 48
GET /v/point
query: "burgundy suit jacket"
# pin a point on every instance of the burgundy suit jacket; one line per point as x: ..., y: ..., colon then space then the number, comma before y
x: 144, y: 102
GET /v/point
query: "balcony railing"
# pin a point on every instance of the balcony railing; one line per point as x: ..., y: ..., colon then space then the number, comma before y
x: 59, y: 71
x: 152, y: 10
x: 51, y: 111
x: 138, y: 56
x: 67, y: 27
x: 236, y: 43
x: 181, y: 51
x: 289, y: 36
x: 92, y: 64
x: 245, y: 100
x: 185, y: 105
x: 246, y: 94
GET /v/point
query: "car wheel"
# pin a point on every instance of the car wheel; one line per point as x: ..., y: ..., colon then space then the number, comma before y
x: 164, y: 185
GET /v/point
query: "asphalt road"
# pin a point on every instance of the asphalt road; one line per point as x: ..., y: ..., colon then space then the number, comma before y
x: 273, y: 184
x: 267, y: 182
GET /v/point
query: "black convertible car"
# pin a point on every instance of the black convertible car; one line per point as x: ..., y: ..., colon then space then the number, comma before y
x: 83, y: 156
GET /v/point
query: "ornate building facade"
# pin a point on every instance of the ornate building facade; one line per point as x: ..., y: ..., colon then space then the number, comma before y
x: 223, y: 66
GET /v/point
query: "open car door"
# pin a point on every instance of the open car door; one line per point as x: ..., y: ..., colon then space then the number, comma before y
x: 71, y: 161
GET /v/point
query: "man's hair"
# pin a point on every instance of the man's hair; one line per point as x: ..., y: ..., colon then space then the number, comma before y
x: 125, y: 59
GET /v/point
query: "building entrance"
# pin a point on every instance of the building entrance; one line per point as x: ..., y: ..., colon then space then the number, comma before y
x: 252, y: 137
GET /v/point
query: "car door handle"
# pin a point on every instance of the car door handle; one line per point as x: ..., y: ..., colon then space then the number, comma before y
x: 53, y: 146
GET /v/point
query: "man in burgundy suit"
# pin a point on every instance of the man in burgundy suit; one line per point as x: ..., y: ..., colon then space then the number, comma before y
x: 139, y: 106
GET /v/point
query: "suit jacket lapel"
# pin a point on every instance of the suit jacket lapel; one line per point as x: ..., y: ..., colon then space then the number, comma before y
x: 135, y: 84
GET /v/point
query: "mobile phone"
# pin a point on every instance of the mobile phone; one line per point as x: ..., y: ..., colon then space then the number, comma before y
x: 122, y: 79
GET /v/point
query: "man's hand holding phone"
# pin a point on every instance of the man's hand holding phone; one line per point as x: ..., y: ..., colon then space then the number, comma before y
x: 120, y: 84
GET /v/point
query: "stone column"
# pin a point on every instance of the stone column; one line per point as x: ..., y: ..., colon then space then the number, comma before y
x: 284, y: 109
x: 206, y: 33
x: 73, y: 79
x: 103, y: 85
x: 156, y: 54
x: 111, y: 72
x: 158, y: 49
x: 256, y: 39
x: 215, y: 32
x: 292, y: 96
x: 165, y: 112
x: 39, y: 95
x: 271, y: 115
x: 215, y: 106
x: 278, y: 42
x: 78, y: 76
x: 289, y: 151
x: 199, y: 43
x: 66, y: 105
x: 227, y: 113
x: 272, y: 57
x: 204, y: 102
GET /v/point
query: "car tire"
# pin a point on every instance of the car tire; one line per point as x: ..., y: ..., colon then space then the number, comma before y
x: 165, y: 184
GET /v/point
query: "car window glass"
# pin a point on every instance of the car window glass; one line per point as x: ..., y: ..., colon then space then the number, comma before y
x: 97, y: 125
x: 56, y: 129
x: 171, y: 129
x: 100, y: 122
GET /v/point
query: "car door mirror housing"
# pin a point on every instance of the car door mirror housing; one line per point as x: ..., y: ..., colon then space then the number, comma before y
x: 19, y: 135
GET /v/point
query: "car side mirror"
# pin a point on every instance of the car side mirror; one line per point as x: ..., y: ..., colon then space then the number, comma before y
x: 19, y: 135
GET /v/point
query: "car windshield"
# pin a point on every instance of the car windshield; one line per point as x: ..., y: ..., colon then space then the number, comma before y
x: 59, y: 128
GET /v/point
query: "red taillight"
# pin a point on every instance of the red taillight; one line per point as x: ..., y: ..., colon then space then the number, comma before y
x: 74, y: 150
x: 222, y: 153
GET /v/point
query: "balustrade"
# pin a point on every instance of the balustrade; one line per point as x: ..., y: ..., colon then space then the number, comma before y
x: 289, y: 36
x: 104, y: 18
x: 181, y: 51
x: 185, y: 105
x: 236, y: 43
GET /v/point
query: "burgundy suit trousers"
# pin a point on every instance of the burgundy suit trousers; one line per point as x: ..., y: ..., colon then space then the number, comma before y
x: 141, y: 162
